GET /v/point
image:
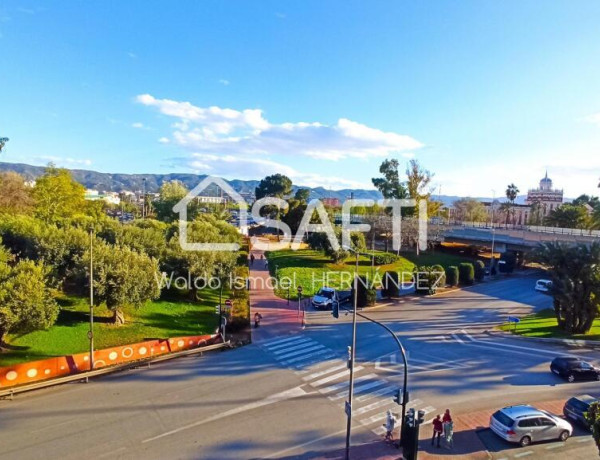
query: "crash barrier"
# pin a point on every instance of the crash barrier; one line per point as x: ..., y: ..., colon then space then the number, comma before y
x: 35, y: 371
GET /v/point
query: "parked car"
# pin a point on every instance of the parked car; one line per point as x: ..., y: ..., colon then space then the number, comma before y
x: 577, y: 406
x: 543, y: 285
x: 325, y: 298
x: 526, y: 424
x: 573, y: 369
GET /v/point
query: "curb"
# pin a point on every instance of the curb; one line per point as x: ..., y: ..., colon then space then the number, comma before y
x: 564, y: 342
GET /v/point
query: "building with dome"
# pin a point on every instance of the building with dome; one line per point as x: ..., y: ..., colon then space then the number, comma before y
x: 544, y: 199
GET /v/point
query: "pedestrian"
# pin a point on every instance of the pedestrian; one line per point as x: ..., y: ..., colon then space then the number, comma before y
x: 252, y: 259
x: 257, y: 318
x: 390, y: 423
x: 447, y: 417
x: 437, y: 430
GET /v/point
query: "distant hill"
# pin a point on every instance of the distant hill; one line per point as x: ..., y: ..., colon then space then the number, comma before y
x: 115, y: 182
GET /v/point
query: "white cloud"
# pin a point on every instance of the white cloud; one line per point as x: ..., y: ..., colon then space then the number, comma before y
x: 164, y: 140
x: 62, y: 161
x: 222, y: 131
x: 132, y: 55
x: 224, y: 82
x: 594, y: 119
x: 138, y: 125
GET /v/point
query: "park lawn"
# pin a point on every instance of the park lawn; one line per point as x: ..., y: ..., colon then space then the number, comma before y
x: 313, y: 269
x: 157, y: 319
x: 543, y: 324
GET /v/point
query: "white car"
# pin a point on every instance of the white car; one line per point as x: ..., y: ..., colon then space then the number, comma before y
x: 543, y: 285
x: 325, y: 298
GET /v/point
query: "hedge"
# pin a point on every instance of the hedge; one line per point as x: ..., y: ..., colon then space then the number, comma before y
x: 466, y: 273
x: 385, y: 258
x: 479, y: 270
x: 366, y: 293
x: 452, y: 276
x: 391, y: 285
x: 437, y: 269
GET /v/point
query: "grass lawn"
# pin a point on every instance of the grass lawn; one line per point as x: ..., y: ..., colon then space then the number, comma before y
x: 158, y: 319
x: 543, y: 324
x: 312, y: 269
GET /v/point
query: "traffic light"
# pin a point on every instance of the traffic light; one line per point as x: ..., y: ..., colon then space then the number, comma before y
x: 410, y: 417
x: 398, y: 397
x: 217, y: 309
x: 421, y: 417
x: 335, y: 309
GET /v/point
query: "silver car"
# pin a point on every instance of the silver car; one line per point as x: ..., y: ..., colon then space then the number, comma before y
x: 526, y: 424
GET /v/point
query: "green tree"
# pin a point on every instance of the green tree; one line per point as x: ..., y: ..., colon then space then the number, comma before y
x: 390, y: 185
x: 592, y: 201
x: 26, y: 303
x: 569, y: 216
x: 418, y: 179
x: 15, y: 197
x: 452, y: 276
x: 3, y: 141
x: 277, y: 185
x: 171, y: 193
x: 512, y: 192
x: 575, y: 275
x: 470, y: 210
x: 466, y: 273
x: 296, y: 210
x: 122, y: 277
x: 57, y: 195
x: 592, y: 417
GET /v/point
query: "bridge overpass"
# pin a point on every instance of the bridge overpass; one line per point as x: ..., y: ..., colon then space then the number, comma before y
x: 518, y: 239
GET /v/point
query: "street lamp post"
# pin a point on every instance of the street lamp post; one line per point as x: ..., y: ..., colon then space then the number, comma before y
x: 352, y: 358
x: 493, y: 231
x: 91, y: 331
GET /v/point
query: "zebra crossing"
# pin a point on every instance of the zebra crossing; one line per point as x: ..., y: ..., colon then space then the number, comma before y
x: 326, y: 371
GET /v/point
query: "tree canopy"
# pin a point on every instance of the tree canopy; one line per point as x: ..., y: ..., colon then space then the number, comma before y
x: 57, y: 195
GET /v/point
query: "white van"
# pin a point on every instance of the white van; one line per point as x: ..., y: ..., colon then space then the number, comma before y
x: 543, y: 285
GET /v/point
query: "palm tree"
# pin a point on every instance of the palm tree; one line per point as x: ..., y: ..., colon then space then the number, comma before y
x: 511, y: 193
x: 506, y: 209
x: 3, y: 141
x: 575, y: 274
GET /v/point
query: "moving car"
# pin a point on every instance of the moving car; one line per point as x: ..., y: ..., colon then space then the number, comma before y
x: 577, y: 406
x: 526, y: 424
x: 572, y: 369
x: 325, y: 298
x: 543, y: 285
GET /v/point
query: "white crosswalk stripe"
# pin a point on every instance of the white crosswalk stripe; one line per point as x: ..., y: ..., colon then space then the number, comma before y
x: 325, y: 371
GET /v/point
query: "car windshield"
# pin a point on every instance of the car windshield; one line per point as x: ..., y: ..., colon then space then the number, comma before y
x: 324, y: 293
x: 503, y: 418
x: 585, y: 366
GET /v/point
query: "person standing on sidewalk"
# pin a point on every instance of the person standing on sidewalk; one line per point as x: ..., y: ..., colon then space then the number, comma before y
x: 252, y: 259
x: 448, y: 425
x: 390, y: 423
x: 437, y: 430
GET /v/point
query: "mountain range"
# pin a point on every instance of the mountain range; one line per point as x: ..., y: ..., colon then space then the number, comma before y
x: 117, y: 182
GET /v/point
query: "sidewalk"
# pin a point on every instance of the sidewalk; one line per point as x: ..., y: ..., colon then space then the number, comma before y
x: 278, y: 318
x: 467, y: 444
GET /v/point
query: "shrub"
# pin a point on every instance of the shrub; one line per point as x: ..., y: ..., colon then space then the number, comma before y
x: 441, y: 275
x: 391, y: 285
x: 385, y: 258
x: 507, y: 263
x: 479, y: 270
x: 466, y: 273
x: 426, y: 280
x: 452, y: 276
x: 366, y: 293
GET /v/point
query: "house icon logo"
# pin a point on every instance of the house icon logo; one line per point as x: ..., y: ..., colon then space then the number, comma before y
x: 182, y: 208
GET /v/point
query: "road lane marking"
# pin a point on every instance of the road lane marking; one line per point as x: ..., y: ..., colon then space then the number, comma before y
x: 524, y: 454
x: 555, y: 446
x: 301, y: 352
x: 374, y: 394
x: 324, y: 372
x: 325, y: 380
x: 373, y: 418
x: 370, y: 407
x: 272, y: 399
x: 584, y: 440
x: 325, y: 351
x: 339, y: 386
x: 294, y: 347
x: 292, y: 343
x: 275, y: 342
x: 112, y: 452
x: 362, y: 389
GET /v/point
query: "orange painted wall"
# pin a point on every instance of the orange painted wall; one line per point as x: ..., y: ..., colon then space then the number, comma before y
x: 35, y: 371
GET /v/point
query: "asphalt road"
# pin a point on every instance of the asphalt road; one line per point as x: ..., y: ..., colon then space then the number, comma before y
x: 283, y: 398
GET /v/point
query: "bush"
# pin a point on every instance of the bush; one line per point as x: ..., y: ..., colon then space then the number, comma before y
x: 391, y: 285
x: 427, y: 279
x: 479, y: 270
x: 441, y: 275
x: 366, y: 294
x: 385, y: 258
x: 507, y: 263
x: 466, y: 273
x: 239, y: 317
x: 452, y: 276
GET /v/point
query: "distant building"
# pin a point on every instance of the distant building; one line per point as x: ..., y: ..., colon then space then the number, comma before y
x: 545, y: 198
x: 331, y: 202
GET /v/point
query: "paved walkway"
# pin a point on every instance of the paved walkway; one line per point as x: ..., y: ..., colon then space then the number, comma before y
x: 278, y: 318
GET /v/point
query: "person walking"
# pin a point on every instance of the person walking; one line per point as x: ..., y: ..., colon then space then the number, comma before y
x: 437, y: 430
x: 257, y: 318
x: 390, y: 423
x: 448, y: 426
x: 252, y: 259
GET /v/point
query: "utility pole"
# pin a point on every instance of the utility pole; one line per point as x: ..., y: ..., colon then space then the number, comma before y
x: 493, y: 231
x: 144, y: 198
x: 352, y: 359
x: 91, y: 331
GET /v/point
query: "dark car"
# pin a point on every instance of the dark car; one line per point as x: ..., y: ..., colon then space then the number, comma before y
x: 574, y: 369
x: 577, y: 406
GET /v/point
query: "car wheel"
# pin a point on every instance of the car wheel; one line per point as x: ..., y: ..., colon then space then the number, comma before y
x: 570, y: 378
x: 563, y: 436
x: 525, y: 441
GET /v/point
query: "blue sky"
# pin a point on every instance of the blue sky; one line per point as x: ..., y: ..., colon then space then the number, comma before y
x: 482, y: 93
